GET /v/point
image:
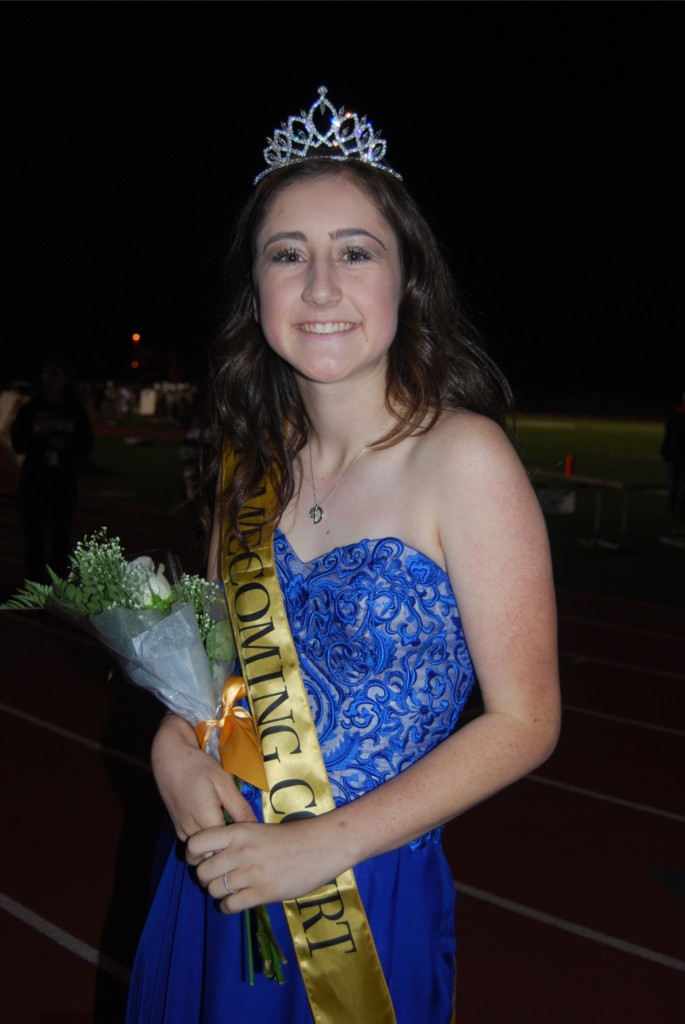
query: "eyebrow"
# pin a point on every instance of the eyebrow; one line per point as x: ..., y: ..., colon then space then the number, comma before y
x: 299, y: 236
x: 351, y: 232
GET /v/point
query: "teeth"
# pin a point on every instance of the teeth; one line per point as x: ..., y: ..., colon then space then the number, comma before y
x: 333, y: 328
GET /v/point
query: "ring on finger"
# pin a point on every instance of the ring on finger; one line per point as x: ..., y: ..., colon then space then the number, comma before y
x: 227, y: 887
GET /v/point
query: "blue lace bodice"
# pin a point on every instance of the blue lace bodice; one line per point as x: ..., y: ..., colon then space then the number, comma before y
x: 382, y: 654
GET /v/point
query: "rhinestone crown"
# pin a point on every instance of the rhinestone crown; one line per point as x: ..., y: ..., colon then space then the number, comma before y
x: 340, y: 135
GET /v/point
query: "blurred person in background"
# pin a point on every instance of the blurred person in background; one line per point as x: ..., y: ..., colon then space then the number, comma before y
x: 53, y: 433
x: 189, y: 454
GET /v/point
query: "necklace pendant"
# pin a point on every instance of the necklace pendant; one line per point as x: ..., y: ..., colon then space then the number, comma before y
x: 316, y: 514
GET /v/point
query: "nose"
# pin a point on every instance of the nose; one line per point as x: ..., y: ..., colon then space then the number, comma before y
x: 321, y: 287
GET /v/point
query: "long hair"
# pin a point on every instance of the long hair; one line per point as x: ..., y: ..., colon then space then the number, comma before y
x: 436, y: 360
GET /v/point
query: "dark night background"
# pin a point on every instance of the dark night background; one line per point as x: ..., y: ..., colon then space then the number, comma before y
x: 541, y: 139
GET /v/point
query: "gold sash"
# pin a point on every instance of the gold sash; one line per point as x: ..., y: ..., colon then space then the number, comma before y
x: 331, y: 935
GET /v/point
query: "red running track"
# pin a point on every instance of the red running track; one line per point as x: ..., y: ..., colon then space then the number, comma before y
x: 571, y: 883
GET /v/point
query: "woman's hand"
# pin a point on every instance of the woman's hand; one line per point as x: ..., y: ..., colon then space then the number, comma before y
x: 264, y: 863
x: 193, y: 785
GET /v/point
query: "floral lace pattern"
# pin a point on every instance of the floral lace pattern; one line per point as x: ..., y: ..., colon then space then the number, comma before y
x: 382, y: 654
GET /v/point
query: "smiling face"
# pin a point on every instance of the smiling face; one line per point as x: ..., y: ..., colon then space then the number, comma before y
x: 328, y: 279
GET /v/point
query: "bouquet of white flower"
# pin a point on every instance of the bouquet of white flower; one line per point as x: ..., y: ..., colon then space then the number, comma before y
x: 170, y: 634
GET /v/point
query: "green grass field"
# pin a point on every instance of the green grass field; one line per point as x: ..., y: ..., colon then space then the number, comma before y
x: 643, y: 561
x: 626, y: 545
x: 147, y: 472
x: 615, y: 450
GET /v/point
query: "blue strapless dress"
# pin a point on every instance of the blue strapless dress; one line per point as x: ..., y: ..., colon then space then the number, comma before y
x: 387, y: 673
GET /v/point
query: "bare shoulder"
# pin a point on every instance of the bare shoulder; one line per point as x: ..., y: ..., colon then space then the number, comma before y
x: 466, y: 448
x: 478, y: 491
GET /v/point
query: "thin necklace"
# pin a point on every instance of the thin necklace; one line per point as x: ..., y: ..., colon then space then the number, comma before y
x: 316, y: 511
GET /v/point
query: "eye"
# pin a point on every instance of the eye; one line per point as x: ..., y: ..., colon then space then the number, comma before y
x: 356, y: 254
x: 286, y: 256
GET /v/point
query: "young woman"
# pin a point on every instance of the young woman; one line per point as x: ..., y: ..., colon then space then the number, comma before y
x: 410, y: 556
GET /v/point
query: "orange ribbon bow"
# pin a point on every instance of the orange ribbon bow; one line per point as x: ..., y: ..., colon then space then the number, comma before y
x: 239, y: 747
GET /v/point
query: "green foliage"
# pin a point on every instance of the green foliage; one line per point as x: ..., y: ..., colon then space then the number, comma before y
x: 209, y: 605
x: 219, y: 642
x: 100, y: 578
x: 31, y: 597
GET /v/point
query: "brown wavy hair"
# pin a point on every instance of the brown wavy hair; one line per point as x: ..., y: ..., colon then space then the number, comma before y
x: 436, y: 360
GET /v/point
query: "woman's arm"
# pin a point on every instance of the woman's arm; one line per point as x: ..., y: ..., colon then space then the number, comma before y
x: 490, y: 528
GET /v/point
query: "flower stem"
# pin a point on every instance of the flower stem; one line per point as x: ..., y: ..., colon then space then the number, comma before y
x: 250, y: 955
x: 269, y: 949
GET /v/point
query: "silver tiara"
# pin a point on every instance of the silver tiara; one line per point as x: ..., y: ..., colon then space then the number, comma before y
x: 340, y: 135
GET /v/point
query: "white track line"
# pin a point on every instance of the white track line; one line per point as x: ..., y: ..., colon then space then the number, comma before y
x: 50, y: 626
x: 622, y: 628
x: 74, y: 737
x: 574, y: 929
x: 624, y: 721
x: 104, y: 963
x: 624, y: 666
x: 61, y: 938
x: 139, y: 763
x: 670, y: 815
x: 45, y: 622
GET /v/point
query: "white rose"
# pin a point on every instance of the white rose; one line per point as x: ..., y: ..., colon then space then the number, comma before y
x: 153, y: 582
